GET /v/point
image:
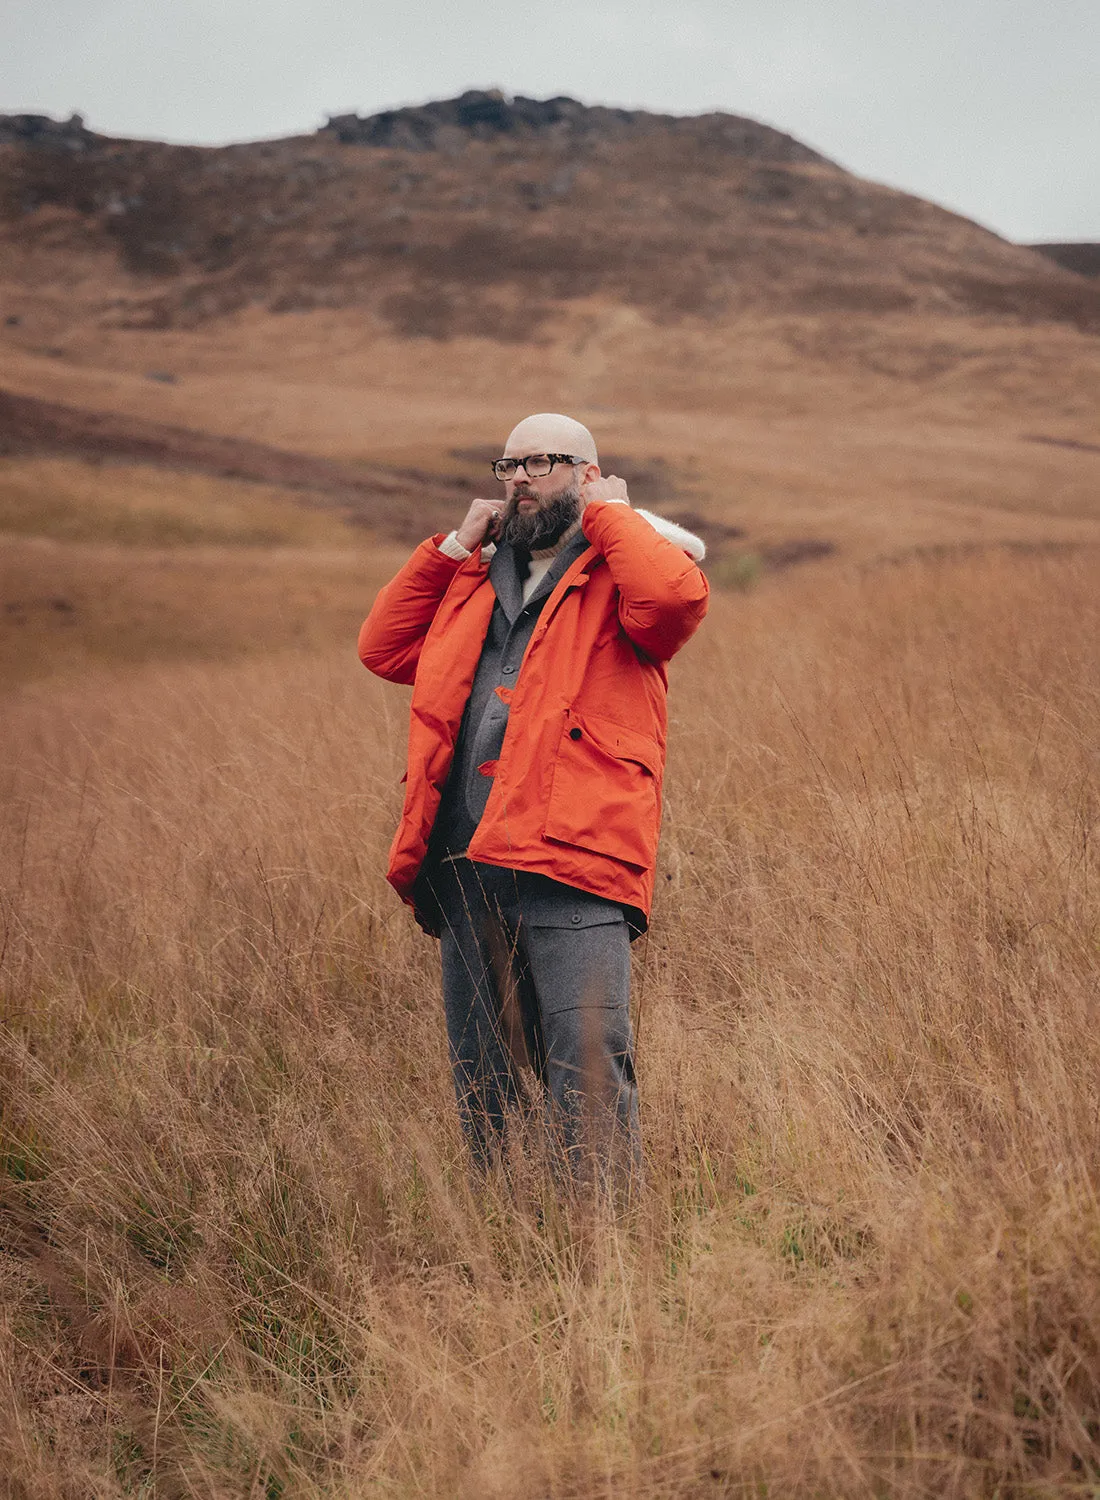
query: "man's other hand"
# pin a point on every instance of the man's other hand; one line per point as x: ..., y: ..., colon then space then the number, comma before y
x: 609, y: 487
x: 481, y: 524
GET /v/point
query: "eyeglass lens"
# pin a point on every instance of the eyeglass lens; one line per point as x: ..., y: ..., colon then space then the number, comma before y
x: 535, y: 465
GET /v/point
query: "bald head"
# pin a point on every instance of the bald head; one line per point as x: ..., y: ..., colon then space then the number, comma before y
x: 550, y: 432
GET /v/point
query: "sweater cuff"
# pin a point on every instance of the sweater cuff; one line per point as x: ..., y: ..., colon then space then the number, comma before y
x: 451, y: 547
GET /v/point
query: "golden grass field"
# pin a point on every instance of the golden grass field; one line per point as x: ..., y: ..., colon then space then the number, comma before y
x: 240, y: 1254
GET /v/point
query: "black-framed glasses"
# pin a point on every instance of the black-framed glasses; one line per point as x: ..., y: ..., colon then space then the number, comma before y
x: 535, y: 465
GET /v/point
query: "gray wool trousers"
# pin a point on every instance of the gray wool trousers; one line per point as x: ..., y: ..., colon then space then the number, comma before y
x: 536, y: 989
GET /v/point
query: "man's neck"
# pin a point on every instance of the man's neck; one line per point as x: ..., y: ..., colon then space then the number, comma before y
x: 535, y: 565
x: 541, y: 554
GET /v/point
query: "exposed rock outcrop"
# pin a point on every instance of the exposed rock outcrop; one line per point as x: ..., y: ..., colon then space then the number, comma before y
x: 489, y: 114
x: 41, y: 130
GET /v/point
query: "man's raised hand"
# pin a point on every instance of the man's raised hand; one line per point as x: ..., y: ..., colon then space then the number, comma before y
x: 481, y: 524
x: 609, y: 487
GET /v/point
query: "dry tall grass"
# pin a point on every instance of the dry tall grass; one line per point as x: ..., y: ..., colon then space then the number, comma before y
x: 240, y: 1252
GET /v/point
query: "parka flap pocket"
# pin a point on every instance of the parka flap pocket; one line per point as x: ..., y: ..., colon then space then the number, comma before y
x: 617, y: 740
x: 605, y: 791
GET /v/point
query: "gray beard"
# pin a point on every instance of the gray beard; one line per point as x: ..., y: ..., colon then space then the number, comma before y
x: 541, y: 528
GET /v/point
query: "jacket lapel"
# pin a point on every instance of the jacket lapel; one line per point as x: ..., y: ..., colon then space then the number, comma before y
x: 504, y: 576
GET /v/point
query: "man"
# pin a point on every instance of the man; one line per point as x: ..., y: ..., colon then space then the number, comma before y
x: 535, y: 636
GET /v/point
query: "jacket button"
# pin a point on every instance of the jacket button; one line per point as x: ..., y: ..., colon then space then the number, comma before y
x: 576, y: 919
x: 574, y: 734
x: 509, y: 669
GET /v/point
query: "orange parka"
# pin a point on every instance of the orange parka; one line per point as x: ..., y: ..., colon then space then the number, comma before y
x: 576, y: 792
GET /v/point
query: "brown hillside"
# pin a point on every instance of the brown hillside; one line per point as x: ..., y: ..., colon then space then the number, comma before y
x: 480, y: 216
x: 252, y: 346
x: 366, y: 494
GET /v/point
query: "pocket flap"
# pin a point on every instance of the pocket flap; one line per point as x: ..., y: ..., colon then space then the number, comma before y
x: 617, y: 739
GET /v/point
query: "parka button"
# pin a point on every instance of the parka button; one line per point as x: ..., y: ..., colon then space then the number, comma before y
x: 576, y: 919
x: 574, y: 734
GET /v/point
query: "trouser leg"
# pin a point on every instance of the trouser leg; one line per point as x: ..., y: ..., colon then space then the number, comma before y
x: 478, y: 956
x: 581, y: 980
x: 523, y: 985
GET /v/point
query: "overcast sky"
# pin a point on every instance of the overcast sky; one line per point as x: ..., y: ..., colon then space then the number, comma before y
x: 989, y: 107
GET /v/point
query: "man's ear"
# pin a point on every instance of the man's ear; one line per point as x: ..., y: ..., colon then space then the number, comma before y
x: 591, y: 472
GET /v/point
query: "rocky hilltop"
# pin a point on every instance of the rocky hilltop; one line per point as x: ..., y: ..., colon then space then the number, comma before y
x: 489, y: 115
x: 41, y: 130
x: 482, y: 214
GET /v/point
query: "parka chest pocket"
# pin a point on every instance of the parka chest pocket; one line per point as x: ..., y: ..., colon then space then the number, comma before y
x: 605, y: 791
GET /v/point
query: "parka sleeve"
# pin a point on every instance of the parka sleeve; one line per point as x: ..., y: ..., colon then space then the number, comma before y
x: 663, y: 593
x: 393, y: 633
